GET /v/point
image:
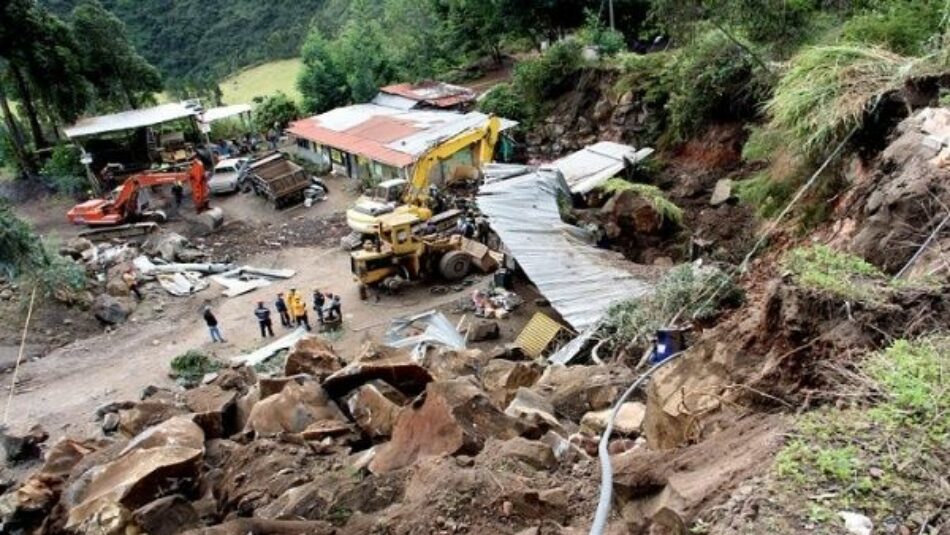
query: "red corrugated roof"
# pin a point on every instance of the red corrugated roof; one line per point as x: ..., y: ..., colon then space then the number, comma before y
x: 383, y: 129
x: 374, y: 149
x: 437, y: 94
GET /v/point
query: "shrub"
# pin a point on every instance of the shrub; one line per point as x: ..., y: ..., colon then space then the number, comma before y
x: 713, y: 79
x: 548, y: 76
x: 227, y: 129
x: 687, y: 292
x: 822, y: 268
x: 649, y: 193
x: 23, y: 253
x: 278, y: 109
x: 649, y: 77
x: 504, y: 100
x: 64, y: 172
x: 190, y: 367
x: 762, y: 144
x: 903, y: 26
x: 609, y: 42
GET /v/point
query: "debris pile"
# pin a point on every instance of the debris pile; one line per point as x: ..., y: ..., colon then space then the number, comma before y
x: 440, y: 439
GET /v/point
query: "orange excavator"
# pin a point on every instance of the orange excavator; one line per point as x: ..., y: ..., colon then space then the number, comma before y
x: 128, y: 205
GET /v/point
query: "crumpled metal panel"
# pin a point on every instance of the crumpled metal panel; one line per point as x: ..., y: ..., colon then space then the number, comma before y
x: 595, y: 164
x: 580, y: 280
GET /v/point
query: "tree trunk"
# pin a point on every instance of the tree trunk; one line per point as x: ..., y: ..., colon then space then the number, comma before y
x: 26, y: 98
x: 19, y: 147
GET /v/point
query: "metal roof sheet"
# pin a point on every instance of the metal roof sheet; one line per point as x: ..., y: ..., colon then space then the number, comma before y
x: 580, y: 281
x: 222, y: 112
x: 437, y: 94
x: 593, y: 165
x: 129, y: 120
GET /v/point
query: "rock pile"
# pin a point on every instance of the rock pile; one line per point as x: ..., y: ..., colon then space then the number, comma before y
x: 461, y: 442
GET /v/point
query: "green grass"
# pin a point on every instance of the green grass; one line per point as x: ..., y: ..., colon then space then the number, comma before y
x: 651, y: 194
x: 190, y: 367
x: 885, y: 460
x: 262, y: 81
x: 824, y: 269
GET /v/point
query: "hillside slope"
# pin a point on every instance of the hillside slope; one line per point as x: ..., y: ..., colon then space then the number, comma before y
x: 198, y: 38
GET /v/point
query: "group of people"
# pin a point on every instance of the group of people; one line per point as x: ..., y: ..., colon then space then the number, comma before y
x: 292, y: 310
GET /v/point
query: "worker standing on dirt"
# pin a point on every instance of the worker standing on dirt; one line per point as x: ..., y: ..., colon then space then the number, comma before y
x: 132, y: 282
x: 281, y: 306
x: 212, y: 325
x: 298, y: 308
x: 335, y: 312
x: 178, y: 192
x: 263, y: 320
x: 318, y: 301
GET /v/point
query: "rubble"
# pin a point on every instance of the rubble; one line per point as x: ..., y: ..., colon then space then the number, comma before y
x: 18, y: 448
x: 313, y: 356
x: 167, y: 516
x: 301, y: 403
x: 373, y: 412
x: 501, y: 379
x: 110, y: 310
x: 628, y: 421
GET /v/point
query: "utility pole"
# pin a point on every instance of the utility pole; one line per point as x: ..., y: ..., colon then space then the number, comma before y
x: 612, y: 15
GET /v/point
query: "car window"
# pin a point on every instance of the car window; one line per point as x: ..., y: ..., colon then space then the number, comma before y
x: 225, y: 169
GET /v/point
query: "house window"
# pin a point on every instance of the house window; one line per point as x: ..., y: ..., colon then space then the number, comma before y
x: 336, y: 156
x: 303, y: 143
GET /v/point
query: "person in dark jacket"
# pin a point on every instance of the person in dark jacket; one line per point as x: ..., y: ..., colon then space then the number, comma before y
x: 335, y: 312
x: 281, y: 306
x: 212, y: 325
x: 318, y: 301
x: 263, y: 320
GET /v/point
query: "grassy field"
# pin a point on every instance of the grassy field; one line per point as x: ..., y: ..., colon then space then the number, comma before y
x: 263, y: 80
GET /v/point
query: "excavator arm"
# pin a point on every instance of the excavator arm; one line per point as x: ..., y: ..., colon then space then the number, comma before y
x: 486, y: 137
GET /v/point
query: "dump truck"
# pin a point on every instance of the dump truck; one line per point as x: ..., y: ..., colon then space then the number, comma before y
x: 397, y: 253
x: 414, y: 196
x: 278, y: 179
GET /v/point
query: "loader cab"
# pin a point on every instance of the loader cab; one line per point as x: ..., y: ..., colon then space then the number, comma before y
x: 396, y: 230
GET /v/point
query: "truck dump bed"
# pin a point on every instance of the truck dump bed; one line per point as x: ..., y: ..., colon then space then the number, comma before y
x: 276, y: 177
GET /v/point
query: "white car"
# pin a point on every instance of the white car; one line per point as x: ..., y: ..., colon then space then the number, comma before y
x: 228, y: 175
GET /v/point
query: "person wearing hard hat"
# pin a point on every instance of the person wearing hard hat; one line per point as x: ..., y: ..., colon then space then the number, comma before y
x: 298, y: 308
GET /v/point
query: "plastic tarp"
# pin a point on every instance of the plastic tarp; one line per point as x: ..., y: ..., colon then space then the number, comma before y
x: 580, y: 280
x: 593, y: 165
x: 423, y: 330
x: 129, y: 120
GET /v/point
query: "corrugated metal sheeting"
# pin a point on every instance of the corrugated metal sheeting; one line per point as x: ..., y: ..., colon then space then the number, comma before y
x: 593, y: 165
x: 129, y: 120
x: 580, y: 280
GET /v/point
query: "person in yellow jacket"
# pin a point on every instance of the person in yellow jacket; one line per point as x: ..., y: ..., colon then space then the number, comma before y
x: 298, y: 308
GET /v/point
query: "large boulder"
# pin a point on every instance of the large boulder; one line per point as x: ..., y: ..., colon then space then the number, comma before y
x: 161, y: 460
x: 406, y: 376
x: 628, y: 421
x: 313, y: 356
x: 110, y: 310
x: 577, y: 390
x: 166, y: 245
x: 454, y: 417
x: 214, y: 409
x: 146, y: 414
x: 17, y: 448
x: 535, y: 411
x: 261, y: 526
x: 299, y: 405
x: 373, y: 412
x: 167, y: 516
x: 502, y: 379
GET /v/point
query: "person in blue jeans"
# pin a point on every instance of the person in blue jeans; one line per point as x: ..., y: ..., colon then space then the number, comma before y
x: 213, y: 326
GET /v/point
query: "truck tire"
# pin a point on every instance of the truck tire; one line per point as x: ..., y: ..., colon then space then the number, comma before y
x: 455, y: 265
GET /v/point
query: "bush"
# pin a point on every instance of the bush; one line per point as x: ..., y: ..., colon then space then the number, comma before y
x: 23, y: 253
x: 651, y: 194
x: 504, y: 100
x: 903, y: 26
x: 687, y: 292
x: 190, y: 367
x: 64, y: 172
x: 714, y: 79
x: 609, y: 42
x: 227, y: 129
x: 761, y: 145
x: 278, y: 109
x: 824, y: 269
x: 548, y: 76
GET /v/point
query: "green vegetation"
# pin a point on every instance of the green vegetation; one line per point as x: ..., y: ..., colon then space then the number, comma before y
x: 190, y: 367
x: 277, y: 109
x: 24, y: 254
x: 687, y: 292
x: 885, y: 460
x: 649, y: 193
x: 64, y: 172
x: 262, y: 80
x: 824, y: 269
x: 828, y: 90
x: 904, y: 26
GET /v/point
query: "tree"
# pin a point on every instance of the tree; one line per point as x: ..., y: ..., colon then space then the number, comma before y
x: 121, y: 76
x: 476, y: 26
x: 322, y: 81
x: 418, y: 39
x: 361, y: 50
x: 277, y: 109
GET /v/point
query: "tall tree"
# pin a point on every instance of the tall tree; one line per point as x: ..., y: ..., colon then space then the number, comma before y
x: 322, y: 81
x: 418, y: 39
x: 361, y: 49
x: 20, y: 153
x: 120, y: 76
x: 476, y: 26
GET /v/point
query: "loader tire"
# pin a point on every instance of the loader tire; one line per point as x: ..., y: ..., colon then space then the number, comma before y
x: 455, y: 265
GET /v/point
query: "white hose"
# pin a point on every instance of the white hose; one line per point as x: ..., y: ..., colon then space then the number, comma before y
x: 606, y: 469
